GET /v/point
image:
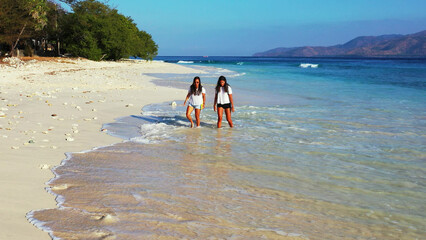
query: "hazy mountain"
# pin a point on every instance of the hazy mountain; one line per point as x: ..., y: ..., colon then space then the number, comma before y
x: 395, y: 45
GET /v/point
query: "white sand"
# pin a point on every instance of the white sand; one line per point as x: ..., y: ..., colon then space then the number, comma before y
x: 81, y: 95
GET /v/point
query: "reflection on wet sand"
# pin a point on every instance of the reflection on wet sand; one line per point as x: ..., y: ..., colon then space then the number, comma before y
x: 192, y: 189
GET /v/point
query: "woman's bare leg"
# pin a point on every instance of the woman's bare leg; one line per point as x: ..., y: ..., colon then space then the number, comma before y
x: 228, y: 117
x: 197, y: 116
x: 219, y: 117
x: 188, y: 115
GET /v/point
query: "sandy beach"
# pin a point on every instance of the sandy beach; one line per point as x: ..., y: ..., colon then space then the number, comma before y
x: 48, y: 108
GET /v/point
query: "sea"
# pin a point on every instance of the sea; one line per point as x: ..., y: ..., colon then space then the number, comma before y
x: 322, y: 148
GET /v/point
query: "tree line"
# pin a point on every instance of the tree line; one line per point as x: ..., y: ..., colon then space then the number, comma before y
x: 91, y: 30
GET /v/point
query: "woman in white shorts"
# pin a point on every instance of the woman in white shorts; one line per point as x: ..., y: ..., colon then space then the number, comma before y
x: 197, y: 99
x: 223, y: 100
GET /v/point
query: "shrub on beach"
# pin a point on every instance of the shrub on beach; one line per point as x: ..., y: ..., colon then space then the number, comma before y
x: 97, y: 32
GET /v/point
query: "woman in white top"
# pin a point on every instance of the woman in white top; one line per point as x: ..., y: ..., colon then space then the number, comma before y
x: 223, y: 100
x: 197, y: 99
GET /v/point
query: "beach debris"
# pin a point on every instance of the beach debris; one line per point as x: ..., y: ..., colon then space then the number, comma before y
x: 44, y: 166
x: 65, y: 103
x: 45, y: 140
x: 75, y: 131
x: 31, y: 141
x: 94, y: 110
x: 61, y: 119
x: 14, y: 147
x: 2, y: 114
x: 89, y: 102
x: 87, y: 119
x: 174, y: 104
x: 95, y: 118
x: 53, y: 147
x: 69, y: 139
x: 14, y: 62
x: 60, y: 187
x: 106, y: 218
x: 45, y: 132
x: 78, y: 108
x: 129, y: 105
x: 67, y: 134
x: 54, y: 115
x: 4, y: 109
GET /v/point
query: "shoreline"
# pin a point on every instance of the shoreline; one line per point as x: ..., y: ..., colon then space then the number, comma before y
x: 51, y: 108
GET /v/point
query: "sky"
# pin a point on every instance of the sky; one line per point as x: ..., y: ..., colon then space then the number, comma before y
x: 244, y: 27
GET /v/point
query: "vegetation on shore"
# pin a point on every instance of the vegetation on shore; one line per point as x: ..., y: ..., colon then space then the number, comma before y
x: 91, y: 30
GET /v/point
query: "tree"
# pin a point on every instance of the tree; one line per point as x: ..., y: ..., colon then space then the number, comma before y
x: 97, y: 32
x: 19, y: 18
x: 148, y: 49
x: 51, y: 33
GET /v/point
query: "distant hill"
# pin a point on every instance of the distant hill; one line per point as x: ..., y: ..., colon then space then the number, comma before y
x: 384, y: 46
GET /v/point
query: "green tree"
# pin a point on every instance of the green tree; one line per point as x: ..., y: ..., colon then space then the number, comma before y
x: 148, y: 49
x: 97, y: 32
x: 52, y: 31
x: 19, y: 18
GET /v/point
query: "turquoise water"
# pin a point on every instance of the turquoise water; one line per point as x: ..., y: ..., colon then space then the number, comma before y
x: 331, y: 151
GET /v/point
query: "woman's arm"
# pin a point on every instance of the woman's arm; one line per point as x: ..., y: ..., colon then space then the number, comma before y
x: 232, y: 102
x: 204, y: 100
x: 215, y: 101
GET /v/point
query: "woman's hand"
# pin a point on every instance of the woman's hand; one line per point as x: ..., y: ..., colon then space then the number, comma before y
x: 214, y: 107
x: 233, y: 109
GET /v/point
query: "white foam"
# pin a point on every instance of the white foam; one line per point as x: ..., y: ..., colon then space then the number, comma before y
x: 185, y: 61
x: 153, y: 132
x: 240, y: 74
x: 308, y: 65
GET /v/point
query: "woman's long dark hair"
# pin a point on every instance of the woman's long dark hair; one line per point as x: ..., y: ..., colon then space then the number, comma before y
x: 218, y: 84
x: 194, y: 90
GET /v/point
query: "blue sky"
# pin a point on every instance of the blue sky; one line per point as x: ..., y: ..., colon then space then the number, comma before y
x: 243, y: 27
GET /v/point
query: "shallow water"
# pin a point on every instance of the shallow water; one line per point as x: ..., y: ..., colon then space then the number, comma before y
x: 331, y: 152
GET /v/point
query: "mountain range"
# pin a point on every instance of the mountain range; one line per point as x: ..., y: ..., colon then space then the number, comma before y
x: 384, y: 46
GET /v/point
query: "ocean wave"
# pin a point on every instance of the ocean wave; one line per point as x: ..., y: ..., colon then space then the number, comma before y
x: 185, y: 61
x: 239, y: 74
x: 153, y: 133
x: 240, y: 63
x: 308, y: 65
